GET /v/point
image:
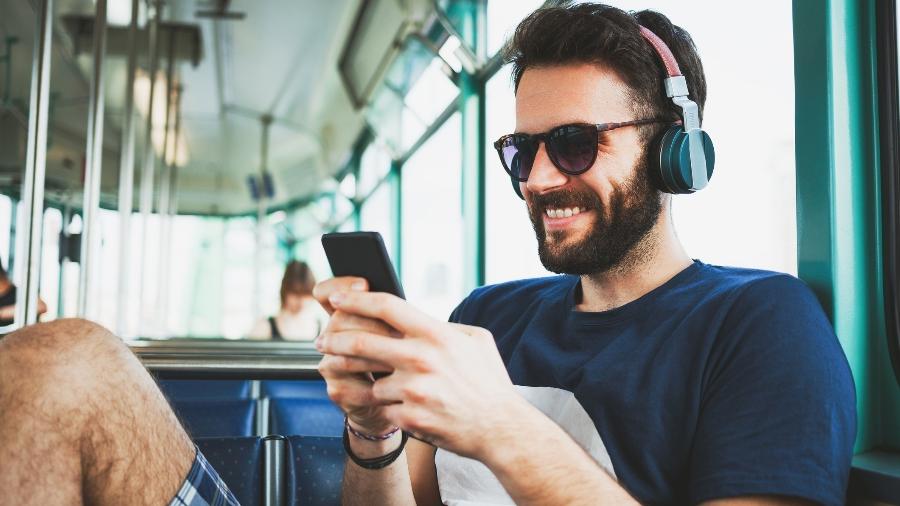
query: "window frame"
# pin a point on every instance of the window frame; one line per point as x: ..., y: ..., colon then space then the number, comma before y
x: 889, y: 153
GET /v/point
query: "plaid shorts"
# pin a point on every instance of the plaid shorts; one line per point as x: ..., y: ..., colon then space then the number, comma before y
x: 203, y: 487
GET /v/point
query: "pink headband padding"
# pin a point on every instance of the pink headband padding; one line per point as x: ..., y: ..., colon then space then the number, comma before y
x: 662, y: 50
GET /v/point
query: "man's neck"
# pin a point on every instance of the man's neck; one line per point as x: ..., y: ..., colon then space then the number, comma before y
x: 655, y: 259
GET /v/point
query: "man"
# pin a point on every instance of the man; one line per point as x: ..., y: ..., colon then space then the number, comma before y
x: 640, y: 376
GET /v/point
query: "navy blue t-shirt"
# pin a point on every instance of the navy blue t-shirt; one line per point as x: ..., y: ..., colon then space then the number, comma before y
x: 722, y: 382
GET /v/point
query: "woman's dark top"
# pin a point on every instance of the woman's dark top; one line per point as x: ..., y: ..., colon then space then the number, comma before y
x: 276, y: 334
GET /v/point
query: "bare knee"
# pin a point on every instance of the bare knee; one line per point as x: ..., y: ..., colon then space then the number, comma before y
x: 67, y: 338
x: 61, y: 352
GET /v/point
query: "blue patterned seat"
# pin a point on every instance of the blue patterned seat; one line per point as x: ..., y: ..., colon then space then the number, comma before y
x: 234, y: 418
x: 294, y: 389
x: 306, y: 417
x: 239, y: 462
x: 315, y: 470
x: 187, y: 390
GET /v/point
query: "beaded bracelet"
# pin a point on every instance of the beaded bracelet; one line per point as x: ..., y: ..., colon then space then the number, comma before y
x: 377, y: 462
x: 369, y: 437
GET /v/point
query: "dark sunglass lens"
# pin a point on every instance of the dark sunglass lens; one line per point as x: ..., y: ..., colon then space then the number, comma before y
x: 573, y: 148
x: 518, y: 157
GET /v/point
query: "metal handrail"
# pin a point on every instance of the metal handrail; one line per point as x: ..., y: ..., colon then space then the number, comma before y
x: 220, y: 359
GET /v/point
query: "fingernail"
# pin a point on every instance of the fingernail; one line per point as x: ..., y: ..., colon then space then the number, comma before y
x: 319, y: 344
x: 358, y: 286
x: 336, y: 298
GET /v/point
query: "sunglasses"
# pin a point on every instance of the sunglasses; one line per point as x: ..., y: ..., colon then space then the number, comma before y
x: 571, y: 148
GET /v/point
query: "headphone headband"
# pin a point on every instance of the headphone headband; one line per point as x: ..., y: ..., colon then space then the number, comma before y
x: 662, y: 50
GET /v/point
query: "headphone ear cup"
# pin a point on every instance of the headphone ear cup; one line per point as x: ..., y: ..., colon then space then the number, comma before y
x: 674, y: 162
x: 515, y: 185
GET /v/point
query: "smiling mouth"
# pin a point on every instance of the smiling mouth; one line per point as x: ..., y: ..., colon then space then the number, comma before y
x: 563, y: 212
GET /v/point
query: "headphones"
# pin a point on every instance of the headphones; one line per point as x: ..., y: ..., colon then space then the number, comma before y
x: 684, y: 158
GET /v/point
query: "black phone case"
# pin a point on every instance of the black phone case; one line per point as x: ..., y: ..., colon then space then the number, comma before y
x: 362, y: 254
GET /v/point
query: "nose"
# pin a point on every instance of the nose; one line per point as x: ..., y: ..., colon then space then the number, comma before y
x: 544, y: 175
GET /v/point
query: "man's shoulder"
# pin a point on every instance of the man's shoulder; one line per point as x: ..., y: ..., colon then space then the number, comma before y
x: 750, y: 285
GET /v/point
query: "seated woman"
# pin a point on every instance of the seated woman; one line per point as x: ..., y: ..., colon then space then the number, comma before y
x: 300, y: 318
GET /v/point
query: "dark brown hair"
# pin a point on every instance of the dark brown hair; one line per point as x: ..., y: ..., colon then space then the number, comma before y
x: 298, y: 279
x: 608, y: 36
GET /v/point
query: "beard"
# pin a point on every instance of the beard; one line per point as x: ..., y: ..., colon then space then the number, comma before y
x: 618, y: 225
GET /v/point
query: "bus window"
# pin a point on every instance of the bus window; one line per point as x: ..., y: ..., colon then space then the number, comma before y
x: 747, y: 215
x: 374, y: 166
x: 50, y: 267
x: 376, y: 215
x: 432, y: 222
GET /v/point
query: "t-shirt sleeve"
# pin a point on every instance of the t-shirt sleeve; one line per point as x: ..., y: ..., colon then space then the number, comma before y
x: 778, y: 408
x: 463, y: 311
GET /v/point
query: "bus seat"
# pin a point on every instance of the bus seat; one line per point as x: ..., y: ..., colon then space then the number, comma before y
x: 223, y: 418
x: 306, y: 417
x: 315, y: 470
x: 239, y: 462
x: 299, y: 389
x: 184, y: 390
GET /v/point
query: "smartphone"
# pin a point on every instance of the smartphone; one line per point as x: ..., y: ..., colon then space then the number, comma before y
x: 362, y: 254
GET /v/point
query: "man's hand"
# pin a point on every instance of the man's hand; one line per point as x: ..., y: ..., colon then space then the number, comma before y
x: 349, y: 379
x: 449, y: 384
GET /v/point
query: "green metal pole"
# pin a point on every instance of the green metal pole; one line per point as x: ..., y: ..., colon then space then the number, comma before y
x: 395, y: 181
x: 13, y: 218
x: 472, y: 108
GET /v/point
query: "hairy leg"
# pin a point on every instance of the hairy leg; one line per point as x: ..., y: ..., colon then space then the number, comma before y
x: 82, y: 422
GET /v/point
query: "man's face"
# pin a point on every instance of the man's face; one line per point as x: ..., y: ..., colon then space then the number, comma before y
x: 618, y: 203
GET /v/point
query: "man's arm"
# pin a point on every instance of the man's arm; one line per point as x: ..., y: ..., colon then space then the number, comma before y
x: 410, y: 480
x: 389, y: 486
x: 548, y: 467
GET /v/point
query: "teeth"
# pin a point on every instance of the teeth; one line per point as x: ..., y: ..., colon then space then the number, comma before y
x: 564, y: 213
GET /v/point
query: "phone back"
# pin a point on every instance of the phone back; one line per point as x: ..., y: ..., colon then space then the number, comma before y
x: 362, y: 254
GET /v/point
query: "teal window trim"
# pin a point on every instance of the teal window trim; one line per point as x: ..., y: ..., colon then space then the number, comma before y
x: 472, y: 107
x: 396, y: 183
x: 474, y: 182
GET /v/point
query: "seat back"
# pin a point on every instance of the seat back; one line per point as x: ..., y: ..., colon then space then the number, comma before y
x: 294, y: 389
x: 239, y: 462
x: 306, y: 417
x: 231, y: 418
x: 185, y: 390
x: 315, y: 470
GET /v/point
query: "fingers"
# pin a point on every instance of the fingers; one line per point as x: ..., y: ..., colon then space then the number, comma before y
x: 391, y: 309
x: 322, y: 291
x: 371, y: 346
x: 342, y: 320
x: 334, y: 365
